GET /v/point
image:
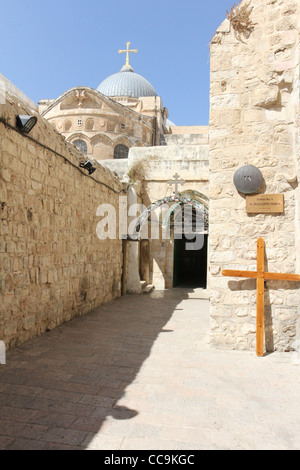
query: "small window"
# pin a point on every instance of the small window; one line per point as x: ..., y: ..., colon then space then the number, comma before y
x: 121, y: 151
x: 79, y: 122
x: 122, y: 126
x: 81, y: 145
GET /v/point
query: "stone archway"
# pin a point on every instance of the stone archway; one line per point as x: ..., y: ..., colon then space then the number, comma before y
x: 167, y: 252
x: 174, y: 202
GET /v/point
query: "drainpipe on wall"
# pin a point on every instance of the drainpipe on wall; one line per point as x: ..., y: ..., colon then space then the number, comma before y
x: 154, y: 132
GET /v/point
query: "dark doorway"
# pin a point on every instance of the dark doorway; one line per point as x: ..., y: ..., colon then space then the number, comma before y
x: 190, y: 266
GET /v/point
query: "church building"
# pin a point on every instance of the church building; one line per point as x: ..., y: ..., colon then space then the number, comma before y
x: 125, y: 115
x: 124, y: 112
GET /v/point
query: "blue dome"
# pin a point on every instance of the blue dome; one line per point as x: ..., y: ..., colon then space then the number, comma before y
x: 126, y: 83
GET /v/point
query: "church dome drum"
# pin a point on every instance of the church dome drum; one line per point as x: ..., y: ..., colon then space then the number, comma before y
x: 126, y: 83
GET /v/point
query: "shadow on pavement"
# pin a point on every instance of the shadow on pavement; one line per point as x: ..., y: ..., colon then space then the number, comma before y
x: 58, y: 389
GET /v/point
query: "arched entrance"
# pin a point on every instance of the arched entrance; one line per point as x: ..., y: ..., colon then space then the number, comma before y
x: 181, y: 258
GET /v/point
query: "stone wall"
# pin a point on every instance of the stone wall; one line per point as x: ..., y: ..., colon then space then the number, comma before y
x: 254, y: 102
x: 53, y: 266
x: 296, y: 86
x: 187, y: 135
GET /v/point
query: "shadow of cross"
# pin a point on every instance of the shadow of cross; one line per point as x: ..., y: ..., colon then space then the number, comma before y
x: 261, y: 275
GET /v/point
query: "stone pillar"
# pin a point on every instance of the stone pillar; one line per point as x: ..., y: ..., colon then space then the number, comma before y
x: 133, y: 276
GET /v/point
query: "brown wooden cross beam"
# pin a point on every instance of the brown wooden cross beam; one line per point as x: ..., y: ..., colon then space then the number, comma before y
x: 261, y: 275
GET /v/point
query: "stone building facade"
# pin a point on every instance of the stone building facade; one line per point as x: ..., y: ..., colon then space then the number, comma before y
x: 97, y: 125
x: 164, y: 259
x: 254, y: 120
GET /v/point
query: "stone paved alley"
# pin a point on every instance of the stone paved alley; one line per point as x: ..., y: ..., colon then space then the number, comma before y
x: 139, y: 373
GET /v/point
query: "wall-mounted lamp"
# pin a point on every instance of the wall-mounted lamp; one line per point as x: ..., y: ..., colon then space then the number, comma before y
x: 26, y: 123
x: 248, y: 179
x: 88, y: 166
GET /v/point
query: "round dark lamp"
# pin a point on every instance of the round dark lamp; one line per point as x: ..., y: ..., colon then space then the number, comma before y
x: 248, y: 179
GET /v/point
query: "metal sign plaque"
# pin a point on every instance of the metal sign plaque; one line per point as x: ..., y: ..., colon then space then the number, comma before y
x: 248, y: 179
x: 265, y: 204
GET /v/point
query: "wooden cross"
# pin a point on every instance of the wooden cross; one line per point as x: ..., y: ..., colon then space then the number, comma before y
x: 127, y: 52
x: 176, y: 182
x: 260, y: 275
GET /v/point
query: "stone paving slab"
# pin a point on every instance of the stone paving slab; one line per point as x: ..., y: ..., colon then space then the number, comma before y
x: 139, y: 373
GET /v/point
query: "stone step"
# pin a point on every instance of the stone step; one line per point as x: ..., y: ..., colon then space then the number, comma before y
x: 148, y: 288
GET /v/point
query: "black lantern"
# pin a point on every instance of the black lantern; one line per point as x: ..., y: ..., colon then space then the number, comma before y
x: 88, y: 166
x: 26, y: 123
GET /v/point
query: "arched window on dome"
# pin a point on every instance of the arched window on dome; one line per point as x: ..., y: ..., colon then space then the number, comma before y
x: 121, y: 151
x: 81, y: 145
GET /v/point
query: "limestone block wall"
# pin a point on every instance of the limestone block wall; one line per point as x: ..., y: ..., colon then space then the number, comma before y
x: 53, y: 265
x: 254, y: 103
x: 297, y: 208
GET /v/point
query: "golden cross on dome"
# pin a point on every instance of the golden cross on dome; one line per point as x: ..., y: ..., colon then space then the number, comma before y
x: 127, y: 51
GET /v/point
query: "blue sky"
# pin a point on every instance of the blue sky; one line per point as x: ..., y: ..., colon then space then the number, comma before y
x: 48, y: 47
